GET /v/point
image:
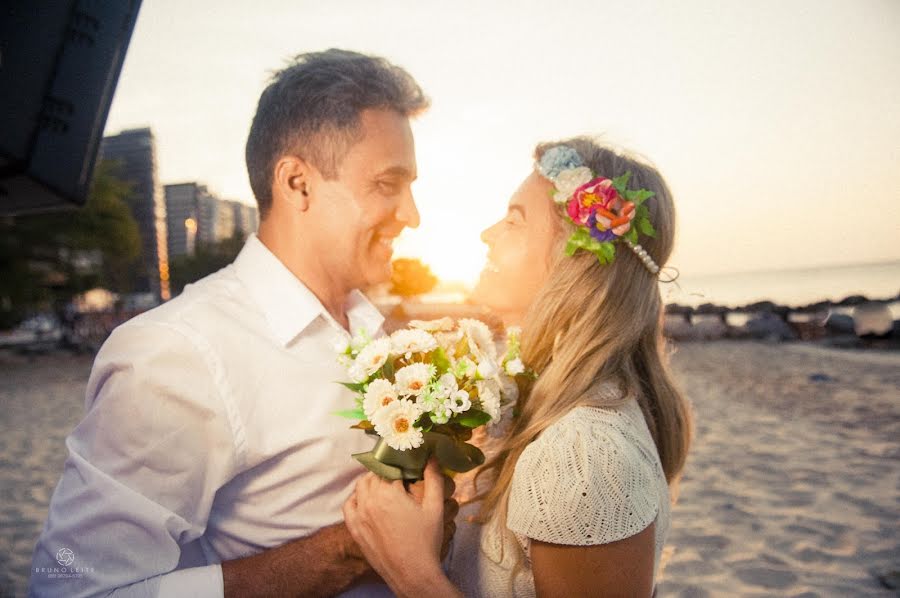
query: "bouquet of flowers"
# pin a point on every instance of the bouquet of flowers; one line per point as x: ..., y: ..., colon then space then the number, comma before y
x: 423, y: 390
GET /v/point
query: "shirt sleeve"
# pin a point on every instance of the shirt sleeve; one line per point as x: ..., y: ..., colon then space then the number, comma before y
x: 582, y: 483
x: 142, y: 471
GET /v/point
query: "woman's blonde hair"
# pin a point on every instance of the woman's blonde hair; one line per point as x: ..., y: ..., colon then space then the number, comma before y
x: 593, y: 324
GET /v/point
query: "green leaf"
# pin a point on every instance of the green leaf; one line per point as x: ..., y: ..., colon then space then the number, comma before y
x: 581, y: 238
x: 473, y: 418
x: 642, y: 195
x: 606, y: 251
x: 354, y: 386
x: 621, y: 182
x: 642, y: 212
x: 646, y: 227
x: 388, y: 369
x: 440, y: 360
x: 632, y: 235
x: 351, y: 413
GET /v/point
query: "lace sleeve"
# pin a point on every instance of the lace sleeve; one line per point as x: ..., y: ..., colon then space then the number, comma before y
x: 582, y: 482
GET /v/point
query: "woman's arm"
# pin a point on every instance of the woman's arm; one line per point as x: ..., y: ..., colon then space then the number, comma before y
x: 621, y: 568
x: 399, y: 536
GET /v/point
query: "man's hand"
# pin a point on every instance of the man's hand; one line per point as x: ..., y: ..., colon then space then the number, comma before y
x: 451, y: 509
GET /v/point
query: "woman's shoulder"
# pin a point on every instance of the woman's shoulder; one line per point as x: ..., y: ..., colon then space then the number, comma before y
x: 593, y: 427
x: 589, y: 478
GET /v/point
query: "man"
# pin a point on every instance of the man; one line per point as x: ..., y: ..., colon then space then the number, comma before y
x: 209, y: 445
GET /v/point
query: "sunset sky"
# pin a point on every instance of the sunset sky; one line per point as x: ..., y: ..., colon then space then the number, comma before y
x: 776, y: 123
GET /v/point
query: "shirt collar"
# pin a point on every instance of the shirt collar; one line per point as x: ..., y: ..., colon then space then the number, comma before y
x: 288, y: 304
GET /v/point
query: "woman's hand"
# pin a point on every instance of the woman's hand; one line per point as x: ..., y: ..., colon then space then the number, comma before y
x: 399, y: 536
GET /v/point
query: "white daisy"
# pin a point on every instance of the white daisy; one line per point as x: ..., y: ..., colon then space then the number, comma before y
x: 414, y: 378
x: 409, y: 341
x: 442, y: 325
x: 481, y: 341
x: 370, y: 359
x: 448, y: 340
x: 379, y: 394
x: 395, y: 422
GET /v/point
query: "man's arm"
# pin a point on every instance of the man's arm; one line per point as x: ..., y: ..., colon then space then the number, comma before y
x: 327, y: 563
x: 143, y: 468
x: 324, y: 564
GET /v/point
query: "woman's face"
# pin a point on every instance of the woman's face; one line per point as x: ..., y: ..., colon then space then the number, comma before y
x: 519, y: 254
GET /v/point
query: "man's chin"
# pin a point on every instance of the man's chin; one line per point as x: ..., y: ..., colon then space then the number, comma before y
x: 377, y: 274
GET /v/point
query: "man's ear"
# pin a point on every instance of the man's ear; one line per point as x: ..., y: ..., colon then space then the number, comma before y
x: 292, y: 181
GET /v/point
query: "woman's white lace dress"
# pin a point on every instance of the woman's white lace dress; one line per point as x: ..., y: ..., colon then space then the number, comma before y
x: 593, y: 477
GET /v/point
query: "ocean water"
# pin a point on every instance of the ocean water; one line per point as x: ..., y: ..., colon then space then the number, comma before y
x: 794, y: 287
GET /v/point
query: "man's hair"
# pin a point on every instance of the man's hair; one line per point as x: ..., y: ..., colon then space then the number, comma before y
x: 312, y: 107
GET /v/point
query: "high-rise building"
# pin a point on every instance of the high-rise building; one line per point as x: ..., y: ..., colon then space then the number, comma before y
x: 215, y: 218
x: 196, y: 217
x: 181, y: 218
x: 246, y: 218
x: 135, y: 152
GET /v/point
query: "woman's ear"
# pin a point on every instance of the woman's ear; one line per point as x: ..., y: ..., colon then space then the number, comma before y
x: 291, y: 182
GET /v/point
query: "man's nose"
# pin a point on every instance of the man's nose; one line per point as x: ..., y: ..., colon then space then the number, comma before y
x: 407, y: 212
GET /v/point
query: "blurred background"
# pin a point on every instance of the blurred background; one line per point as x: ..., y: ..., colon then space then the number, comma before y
x: 776, y: 123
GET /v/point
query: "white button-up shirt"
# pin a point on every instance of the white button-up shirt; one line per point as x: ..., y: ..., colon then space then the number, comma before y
x: 209, y: 435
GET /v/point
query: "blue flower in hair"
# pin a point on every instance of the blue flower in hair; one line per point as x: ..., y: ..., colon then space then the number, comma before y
x: 557, y: 159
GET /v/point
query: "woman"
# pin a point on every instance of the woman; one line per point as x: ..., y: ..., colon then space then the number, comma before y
x: 578, y: 493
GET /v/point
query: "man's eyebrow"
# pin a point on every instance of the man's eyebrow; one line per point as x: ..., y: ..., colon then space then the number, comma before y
x: 398, y: 171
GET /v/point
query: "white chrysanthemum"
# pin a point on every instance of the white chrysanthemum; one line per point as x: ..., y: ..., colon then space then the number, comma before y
x: 442, y: 325
x: 448, y: 340
x: 489, y: 395
x: 414, y: 378
x: 379, y: 394
x: 395, y: 422
x: 370, y: 359
x: 408, y: 341
x: 514, y: 367
x: 487, y: 368
x: 481, y: 341
x: 567, y: 181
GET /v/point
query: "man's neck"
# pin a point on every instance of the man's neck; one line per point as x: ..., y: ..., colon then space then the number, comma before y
x: 304, y: 263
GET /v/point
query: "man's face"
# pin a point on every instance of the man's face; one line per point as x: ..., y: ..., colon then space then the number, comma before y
x: 358, y: 215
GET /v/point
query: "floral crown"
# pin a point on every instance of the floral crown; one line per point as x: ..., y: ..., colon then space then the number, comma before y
x: 603, y: 209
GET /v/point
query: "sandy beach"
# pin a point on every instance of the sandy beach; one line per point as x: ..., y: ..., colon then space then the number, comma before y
x: 792, y: 487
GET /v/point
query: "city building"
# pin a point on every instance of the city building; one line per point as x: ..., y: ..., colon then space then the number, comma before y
x: 246, y: 218
x: 181, y: 218
x: 134, y: 151
x: 197, y: 217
